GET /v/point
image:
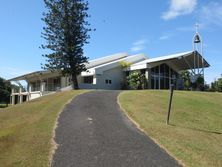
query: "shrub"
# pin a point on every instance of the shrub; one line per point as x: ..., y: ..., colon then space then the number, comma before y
x: 136, y: 80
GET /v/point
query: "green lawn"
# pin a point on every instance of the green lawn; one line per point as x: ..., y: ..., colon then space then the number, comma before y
x: 26, y: 130
x: 194, y: 135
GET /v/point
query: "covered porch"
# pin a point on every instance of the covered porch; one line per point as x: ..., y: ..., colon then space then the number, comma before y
x: 163, y: 71
x: 39, y: 84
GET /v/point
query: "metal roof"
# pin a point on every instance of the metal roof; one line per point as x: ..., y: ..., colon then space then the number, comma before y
x: 182, y: 61
x: 106, y: 59
x: 91, y: 64
x: 130, y: 59
x: 110, y: 65
x: 23, y: 77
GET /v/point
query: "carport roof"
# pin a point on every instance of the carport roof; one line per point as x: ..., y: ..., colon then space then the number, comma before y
x: 182, y: 61
x: 23, y: 77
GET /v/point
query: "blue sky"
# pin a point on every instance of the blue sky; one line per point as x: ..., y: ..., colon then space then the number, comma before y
x: 155, y: 28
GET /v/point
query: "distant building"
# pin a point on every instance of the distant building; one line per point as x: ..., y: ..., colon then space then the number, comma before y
x: 107, y: 73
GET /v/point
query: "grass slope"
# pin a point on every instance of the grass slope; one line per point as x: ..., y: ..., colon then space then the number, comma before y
x: 26, y: 130
x: 194, y: 135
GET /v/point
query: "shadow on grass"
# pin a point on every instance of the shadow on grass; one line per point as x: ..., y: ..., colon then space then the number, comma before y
x: 3, y: 105
x: 196, y: 129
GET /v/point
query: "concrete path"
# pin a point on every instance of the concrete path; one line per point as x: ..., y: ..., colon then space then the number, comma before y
x: 93, y: 132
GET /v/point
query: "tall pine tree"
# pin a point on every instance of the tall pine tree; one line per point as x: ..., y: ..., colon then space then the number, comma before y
x: 66, y: 32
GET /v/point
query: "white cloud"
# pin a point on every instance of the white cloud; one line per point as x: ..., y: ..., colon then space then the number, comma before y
x: 138, y: 45
x: 164, y: 37
x: 211, y: 14
x: 186, y: 28
x: 179, y: 7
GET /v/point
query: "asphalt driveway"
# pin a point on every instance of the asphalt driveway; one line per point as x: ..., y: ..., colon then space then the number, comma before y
x: 93, y: 132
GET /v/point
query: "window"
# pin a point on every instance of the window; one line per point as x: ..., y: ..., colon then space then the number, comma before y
x: 35, y: 86
x: 143, y: 71
x: 88, y: 80
x: 108, y: 81
x: 56, y: 81
x: 56, y: 84
x: 162, y: 76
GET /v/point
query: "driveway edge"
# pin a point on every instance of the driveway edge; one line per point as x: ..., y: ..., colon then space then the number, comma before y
x: 143, y: 131
x: 54, y: 145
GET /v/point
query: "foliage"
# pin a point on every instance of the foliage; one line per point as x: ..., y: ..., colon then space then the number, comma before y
x: 207, y: 87
x: 213, y: 87
x: 219, y: 85
x: 5, y: 91
x: 185, y: 75
x: 125, y: 64
x: 216, y: 85
x: 66, y: 32
x: 200, y: 83
x: 136, y: 80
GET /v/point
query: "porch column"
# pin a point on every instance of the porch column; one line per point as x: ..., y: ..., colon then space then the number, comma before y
x: 29, y: 91
x: 42, y: 87
x: 10, y: 99
x: 30, y: 88
x: 94, y: 80
x: 63, y: 82
x: 20, y: 95
x: 47, y: 89
x: 148, y: 77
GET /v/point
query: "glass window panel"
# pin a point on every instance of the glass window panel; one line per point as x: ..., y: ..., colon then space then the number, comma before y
x: 142, y: 71
x: 88, y: 80
x: 167, y: 83
x: 157, y: 69
x: 157, y: 83
x: 152, y: 83
x: 162, y: 83
x: 166, y: 70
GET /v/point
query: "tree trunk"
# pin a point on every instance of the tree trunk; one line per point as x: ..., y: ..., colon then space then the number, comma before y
x: 75, y: 84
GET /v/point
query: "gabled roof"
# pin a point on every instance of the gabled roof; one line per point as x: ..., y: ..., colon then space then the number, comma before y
x: 131, y: 59
x: 32, y: 74
x: 168, y: 57
x: 93, y: 64
x: 107, y: 66
x: 182, y: 61
x: 106, y: 59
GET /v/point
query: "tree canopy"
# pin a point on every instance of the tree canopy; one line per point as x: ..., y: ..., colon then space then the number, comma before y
x: 5, y: 91
x: 66, y: 32
x: 217, y: 85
